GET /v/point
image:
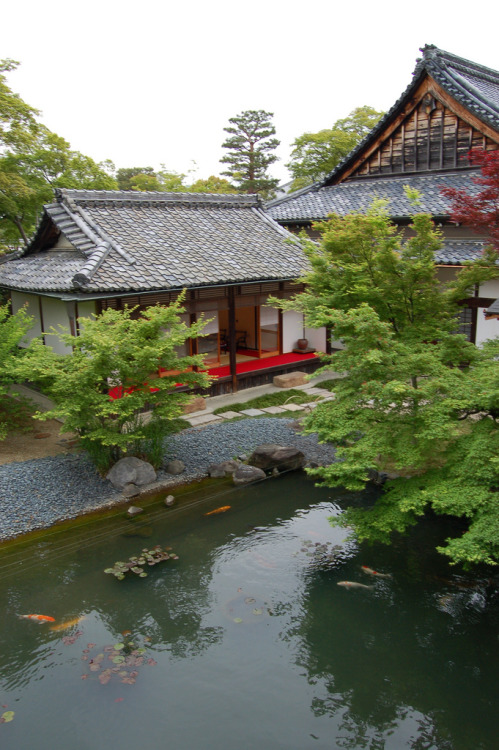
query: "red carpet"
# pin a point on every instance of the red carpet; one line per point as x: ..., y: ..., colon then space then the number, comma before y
x: 260, y: 364
x: 224, y: 370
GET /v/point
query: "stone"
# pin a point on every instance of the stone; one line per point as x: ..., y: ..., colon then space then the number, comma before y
x: 230, y: 414
x: 134, y: 510
x: 175, y: 466
x: 131, y: 470
x: 294, y: 407
x: 130, y: 490
x: 281, y: 457
x: 203, y: 419
x: 246, y: 474
x: 197, y: 404
x: 290, y: 379
x: 217, y: 471
x: 169, y: 500
x: 273, y: 409
x: 252, y: 412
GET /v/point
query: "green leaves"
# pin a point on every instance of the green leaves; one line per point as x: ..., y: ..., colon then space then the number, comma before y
x: 407, y: 407
x: 148, y: 557
x: 315, y: 155
x: 123, y: 351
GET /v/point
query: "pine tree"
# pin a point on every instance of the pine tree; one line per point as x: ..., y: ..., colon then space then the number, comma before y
x: 250, y: 146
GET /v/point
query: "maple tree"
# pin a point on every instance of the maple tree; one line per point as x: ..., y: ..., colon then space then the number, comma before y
x: 480, y: 212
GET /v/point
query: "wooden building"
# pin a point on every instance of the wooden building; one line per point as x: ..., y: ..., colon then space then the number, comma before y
x: 450, y: 107
x: 99, y: 249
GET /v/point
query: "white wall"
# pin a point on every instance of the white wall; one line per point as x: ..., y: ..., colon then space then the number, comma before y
x: 316, y: 338
x: 54, y: 315
x: 292, y: 329
x: 87, y: 309
x: 31, y: 301
x: 487, y: 329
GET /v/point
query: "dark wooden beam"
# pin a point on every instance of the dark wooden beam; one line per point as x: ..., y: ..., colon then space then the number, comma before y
x: 232, y: 339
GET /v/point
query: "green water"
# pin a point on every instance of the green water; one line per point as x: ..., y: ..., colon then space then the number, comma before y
x: 249, y: 641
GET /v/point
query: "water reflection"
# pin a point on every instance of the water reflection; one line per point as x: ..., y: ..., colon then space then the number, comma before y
x: 248, y: 635
x: 394, y: 663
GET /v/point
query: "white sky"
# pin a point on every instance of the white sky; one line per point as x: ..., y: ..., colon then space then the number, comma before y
x: 150, y: 83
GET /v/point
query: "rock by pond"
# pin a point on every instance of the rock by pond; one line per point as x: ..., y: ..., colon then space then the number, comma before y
x: 131, y: 470
x: 271, y: 456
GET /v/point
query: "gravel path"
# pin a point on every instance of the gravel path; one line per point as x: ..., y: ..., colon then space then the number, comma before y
x: 36, y: 494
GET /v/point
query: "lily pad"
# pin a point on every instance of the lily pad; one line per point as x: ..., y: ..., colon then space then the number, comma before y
x: 6, y: 717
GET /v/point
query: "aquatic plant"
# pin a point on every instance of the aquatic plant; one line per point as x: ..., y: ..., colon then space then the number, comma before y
x: 119, y: 661
x: 135, y: 563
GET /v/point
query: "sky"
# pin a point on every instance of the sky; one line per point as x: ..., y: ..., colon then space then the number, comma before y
x: 154, y: 83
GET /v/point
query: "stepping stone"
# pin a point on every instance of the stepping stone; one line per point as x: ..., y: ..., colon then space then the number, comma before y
x: 204, y: 419
x: 273, y: 409
x: 290, y: 379
x: 231, y: 414
x: 252, y: 412
x: 293, y: 407
x: 316, y: 391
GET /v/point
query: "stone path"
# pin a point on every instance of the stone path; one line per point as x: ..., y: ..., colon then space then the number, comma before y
x: 206, y: 416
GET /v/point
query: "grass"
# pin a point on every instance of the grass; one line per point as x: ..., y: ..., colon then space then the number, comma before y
x: 278, y: 398
x: 177, y: 425
x: 328, y: 385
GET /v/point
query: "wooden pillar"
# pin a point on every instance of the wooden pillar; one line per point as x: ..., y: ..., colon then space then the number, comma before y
x: 194, y: 342
x: 232, y: 338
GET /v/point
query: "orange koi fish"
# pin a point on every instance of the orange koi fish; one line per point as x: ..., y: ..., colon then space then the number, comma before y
x: 38, y: 618
x: 218, y: 510
x: 67, y: 624
x: 372, y: 572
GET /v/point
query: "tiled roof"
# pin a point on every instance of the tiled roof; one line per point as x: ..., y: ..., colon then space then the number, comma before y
x: 457, y: 252
x: 474, y: 86
x: 317, y: 203
x: 126, y: 241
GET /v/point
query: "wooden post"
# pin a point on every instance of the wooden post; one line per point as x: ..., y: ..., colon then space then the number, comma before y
x: 232, y: 338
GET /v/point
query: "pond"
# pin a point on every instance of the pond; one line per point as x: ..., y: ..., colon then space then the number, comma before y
x: 246, y: 640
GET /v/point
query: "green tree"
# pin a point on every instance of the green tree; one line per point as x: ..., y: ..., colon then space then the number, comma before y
x: 250, y: 147
x: 406, y: 405
x: 33, y: 161
x: 315, y: 155
x: 118, y: 350
x: 212, y: 184
x: 145, y: 178
x: 13, y: 328
x: 18, y: 124
x: 125, y: 175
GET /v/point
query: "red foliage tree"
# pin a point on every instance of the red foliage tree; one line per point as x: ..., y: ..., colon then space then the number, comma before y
x: 480, y: 212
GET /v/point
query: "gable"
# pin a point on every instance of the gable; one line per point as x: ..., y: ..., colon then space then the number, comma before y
x: 431, y: 132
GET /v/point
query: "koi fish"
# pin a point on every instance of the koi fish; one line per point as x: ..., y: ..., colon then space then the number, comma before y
x: 354, y: 585
x: 38, y: 618
x: 372, y: 572
x: 67, y: 624
x: 218, y: 510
